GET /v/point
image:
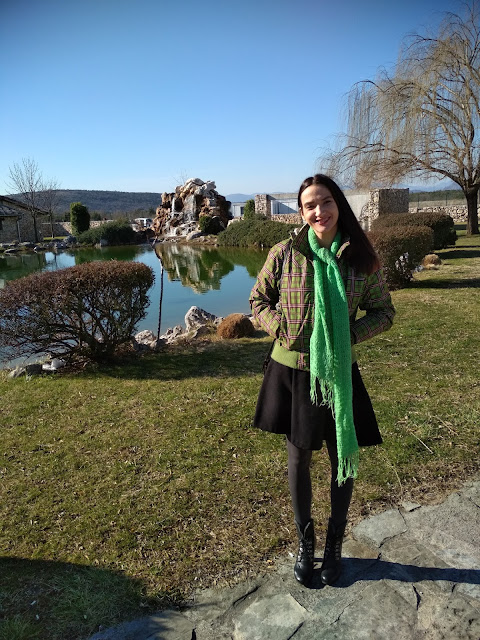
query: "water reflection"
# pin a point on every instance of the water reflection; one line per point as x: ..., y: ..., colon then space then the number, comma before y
x: 90, y: 254
x: 18, y: 265
x: 195, y: 267
x: 13, y: 266
x: 218, y: 279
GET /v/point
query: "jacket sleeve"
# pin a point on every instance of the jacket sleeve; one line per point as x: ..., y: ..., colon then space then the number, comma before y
x: 377, y: 303
x: 265, y: 294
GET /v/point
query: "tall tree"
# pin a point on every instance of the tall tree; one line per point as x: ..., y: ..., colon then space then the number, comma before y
x: 423, y: 118
x: 249, y: 209
x: 79, y: 217
x: 25, y: 179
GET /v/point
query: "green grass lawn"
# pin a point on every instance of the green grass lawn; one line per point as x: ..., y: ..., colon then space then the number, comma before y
x: 124, y: 488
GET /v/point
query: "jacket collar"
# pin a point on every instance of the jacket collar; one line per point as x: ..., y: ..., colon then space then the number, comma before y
x: 300, y: 242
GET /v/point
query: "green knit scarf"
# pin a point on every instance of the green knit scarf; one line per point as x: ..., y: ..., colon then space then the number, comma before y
x: 330, y: 353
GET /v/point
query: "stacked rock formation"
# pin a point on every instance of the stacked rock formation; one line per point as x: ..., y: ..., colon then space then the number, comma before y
x: 179, y: 213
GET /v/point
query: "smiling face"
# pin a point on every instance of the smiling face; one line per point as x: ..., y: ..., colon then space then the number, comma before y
x: 320, y: 212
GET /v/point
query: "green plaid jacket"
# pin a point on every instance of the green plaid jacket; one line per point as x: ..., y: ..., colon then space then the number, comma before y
x: 282, y: 299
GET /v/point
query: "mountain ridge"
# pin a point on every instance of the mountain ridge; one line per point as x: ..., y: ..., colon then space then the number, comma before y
x: 114, y: 202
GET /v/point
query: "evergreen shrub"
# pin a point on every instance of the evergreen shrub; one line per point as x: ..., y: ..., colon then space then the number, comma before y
x: 117, y: 232
x: 255, y: 233
x: 88, y: 310
x: 442, y: 224
x: 79, y: 217
x: 401, y: 249
x: 210, y: 224
x: 249, y: 210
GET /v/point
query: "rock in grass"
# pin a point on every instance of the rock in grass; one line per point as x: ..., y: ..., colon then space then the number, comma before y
x: 35, y: 368
x: 144, y: 341
x: 196, y: 317
x: 54, y: 364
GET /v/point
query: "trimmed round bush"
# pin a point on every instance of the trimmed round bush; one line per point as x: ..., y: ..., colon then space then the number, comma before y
x: 401, y: 249
x: 236, y: 325
x: 442, y: 225
x: 431, y: 260
x: 88, y: 310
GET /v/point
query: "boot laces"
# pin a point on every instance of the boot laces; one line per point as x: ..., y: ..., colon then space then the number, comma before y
x: 305, y: 549
x: 333, y: 548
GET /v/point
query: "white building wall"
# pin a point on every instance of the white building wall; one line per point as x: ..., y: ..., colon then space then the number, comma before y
x: 236, y: 209
x: 285, y: 205
x: 357, y: 200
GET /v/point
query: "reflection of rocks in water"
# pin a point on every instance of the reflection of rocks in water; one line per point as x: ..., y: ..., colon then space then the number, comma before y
x: 195, y: 267
x: 179, y: 213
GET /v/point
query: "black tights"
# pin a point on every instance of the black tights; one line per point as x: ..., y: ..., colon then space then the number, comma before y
x: 300, y: 485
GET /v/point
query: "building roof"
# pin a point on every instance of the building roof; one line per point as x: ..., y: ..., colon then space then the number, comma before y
x: 10, y: 207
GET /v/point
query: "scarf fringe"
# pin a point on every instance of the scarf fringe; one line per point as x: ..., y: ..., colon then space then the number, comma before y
x: 326, y: 391
x: 347, y: 467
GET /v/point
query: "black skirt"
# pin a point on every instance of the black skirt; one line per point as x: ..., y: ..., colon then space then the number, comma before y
x: 284, y: 406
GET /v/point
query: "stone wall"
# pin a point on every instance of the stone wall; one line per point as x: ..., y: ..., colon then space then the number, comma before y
x: 387, y: 201
x: 27, y: 230
x: 288, y: 218
x: 458, y: 212
x: 64, y: 228
x: 263, y: 205
x: 8, y: 229
x: 382, y: 201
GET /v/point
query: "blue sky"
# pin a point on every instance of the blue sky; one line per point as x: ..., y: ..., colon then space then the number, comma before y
x: 133, y: 95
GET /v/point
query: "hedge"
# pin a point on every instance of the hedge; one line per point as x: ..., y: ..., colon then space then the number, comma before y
x: 442, y: 225
x: 88, y: 310
x: 116, y: 232
x: 255, y: 233
x: 401, y: 249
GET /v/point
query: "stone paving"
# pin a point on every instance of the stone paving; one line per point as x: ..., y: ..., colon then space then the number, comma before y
x: 411, y: 573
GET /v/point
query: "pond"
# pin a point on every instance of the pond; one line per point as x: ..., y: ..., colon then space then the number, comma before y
x: 217, y: 279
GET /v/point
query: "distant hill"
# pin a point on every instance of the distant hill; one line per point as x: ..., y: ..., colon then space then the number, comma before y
x: 110, y: 202
x: 107, y: 202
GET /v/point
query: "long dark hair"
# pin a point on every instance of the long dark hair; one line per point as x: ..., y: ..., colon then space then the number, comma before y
x: 360, y: 254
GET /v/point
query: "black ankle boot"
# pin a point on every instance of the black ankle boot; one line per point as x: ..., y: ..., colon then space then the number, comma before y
x: 332, y: 558
x: 303, y: 569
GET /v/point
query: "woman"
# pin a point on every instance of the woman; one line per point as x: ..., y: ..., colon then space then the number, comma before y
x: 306, y: 297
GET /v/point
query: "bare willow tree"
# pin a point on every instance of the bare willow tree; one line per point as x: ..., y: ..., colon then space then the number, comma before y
x: 422, y: 119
